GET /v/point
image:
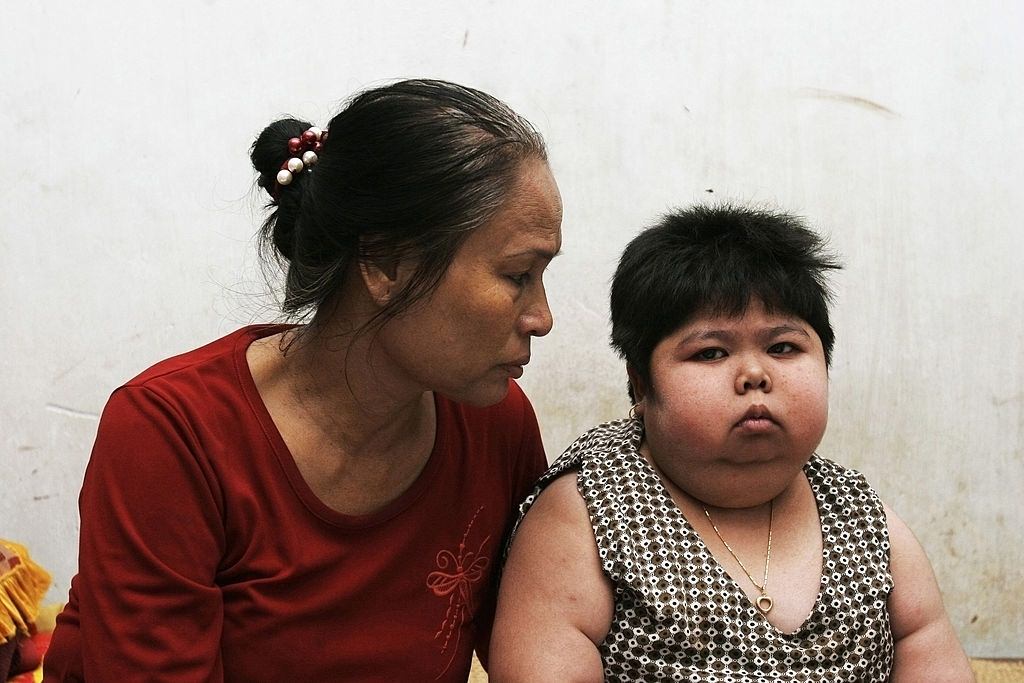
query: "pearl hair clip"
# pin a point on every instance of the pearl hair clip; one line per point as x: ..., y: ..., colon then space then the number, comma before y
x: 305, y: 149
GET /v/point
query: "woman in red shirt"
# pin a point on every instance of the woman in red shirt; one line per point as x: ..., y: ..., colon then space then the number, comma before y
x: 325, y: 501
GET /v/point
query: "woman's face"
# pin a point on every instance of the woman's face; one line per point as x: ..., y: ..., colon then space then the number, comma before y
x: 473, y: 332
x: 736, y: 405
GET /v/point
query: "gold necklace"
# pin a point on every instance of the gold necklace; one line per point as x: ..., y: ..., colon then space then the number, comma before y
x: 764, y: 602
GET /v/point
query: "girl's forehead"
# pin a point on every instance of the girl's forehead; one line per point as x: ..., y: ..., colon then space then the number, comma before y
x: 756, y: 311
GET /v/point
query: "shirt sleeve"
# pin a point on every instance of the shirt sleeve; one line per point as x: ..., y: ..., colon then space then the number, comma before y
x: 151, y: 539
x: 532, y: 461
x: 528, y: 463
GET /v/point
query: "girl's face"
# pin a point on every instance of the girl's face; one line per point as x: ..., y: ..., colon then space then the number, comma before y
x: 473, y: 332
x: 736, y: 405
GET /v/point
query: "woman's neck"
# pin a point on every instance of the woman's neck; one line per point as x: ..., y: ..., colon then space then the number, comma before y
x: 359, y: 432
x: 345, y: 385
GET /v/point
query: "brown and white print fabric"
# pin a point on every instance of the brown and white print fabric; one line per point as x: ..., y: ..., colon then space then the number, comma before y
x: 680, y: 617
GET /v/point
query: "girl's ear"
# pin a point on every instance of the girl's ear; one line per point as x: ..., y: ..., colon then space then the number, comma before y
x: 639, y: 388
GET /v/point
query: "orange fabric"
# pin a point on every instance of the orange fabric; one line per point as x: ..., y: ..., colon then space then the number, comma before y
x: 22, y: 586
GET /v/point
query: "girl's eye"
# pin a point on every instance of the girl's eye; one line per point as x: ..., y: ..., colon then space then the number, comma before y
x: 710, y: 354
x: 782, y: 348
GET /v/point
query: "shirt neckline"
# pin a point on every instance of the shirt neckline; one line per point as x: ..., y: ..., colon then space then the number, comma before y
x: 290, y: 469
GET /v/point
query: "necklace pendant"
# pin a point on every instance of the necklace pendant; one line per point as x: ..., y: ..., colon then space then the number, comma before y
x: 764, y: 603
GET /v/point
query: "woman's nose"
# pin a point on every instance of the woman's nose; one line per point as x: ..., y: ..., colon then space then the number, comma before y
x: 537, y: 320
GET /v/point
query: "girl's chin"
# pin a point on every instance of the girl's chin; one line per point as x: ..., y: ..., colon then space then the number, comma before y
x: 749, y: 489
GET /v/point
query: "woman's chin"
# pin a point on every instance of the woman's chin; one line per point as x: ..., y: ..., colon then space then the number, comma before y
x: 479, y: 395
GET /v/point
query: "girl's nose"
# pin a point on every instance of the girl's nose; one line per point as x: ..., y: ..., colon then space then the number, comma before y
x: 753, y: 376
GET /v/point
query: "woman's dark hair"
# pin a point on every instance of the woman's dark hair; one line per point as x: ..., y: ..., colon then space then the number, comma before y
x: 406, y: 171
x: 714, y: 260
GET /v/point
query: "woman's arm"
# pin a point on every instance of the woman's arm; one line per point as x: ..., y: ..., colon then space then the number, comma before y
x: 927, y: 648
x: 151, y: 540
x: 555, y: 604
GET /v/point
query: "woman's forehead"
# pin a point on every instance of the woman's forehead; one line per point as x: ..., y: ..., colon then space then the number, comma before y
x: 528, y: 222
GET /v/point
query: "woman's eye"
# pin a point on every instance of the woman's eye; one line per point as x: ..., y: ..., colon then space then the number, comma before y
x: 782, y: 347
x: 519, y: 279
x: 710, y: 354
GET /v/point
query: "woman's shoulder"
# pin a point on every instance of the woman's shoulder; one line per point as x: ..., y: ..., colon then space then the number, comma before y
x: 226, y: 349
x: 204, y: 387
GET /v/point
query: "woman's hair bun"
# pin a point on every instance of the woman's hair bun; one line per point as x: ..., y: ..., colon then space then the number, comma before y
x: 268, y: 154
x: 270, y: 150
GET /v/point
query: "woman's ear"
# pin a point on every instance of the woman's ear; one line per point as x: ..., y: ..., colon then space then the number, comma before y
x: 381, y: 281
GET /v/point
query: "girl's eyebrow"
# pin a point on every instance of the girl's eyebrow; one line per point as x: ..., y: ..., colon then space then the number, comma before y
x: 731, y: 337
x: 779, y: 330
x: 709, y: 335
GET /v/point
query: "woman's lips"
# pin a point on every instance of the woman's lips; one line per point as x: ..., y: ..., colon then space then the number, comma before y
x: 515, y: 368
x: 514, y: 371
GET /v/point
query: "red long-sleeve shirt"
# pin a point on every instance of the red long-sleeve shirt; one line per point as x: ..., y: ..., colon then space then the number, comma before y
x: 205, y: 556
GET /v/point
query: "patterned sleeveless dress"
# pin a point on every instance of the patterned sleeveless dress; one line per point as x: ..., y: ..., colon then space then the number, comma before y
x: 680, y: 617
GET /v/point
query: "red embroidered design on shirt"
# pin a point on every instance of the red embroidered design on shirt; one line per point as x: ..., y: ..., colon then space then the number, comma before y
x: 454, y: 578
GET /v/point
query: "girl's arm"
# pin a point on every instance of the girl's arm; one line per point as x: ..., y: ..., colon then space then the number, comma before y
x: 927, y: 648
x: 555, y: 604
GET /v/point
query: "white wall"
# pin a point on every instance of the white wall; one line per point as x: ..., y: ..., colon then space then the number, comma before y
x: 895, y: 127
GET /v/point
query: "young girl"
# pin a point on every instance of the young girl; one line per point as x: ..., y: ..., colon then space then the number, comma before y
x: 702, y: 539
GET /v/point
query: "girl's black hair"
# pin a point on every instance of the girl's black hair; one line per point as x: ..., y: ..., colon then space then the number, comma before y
x: 714, y: 260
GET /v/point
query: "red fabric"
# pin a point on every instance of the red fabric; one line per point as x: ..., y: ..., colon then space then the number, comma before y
x: 7, y: 650
x: 205, y: 556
